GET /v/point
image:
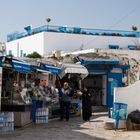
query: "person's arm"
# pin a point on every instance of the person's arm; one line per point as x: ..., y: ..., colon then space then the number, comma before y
x: 71, y: 92
x: 60, y: 92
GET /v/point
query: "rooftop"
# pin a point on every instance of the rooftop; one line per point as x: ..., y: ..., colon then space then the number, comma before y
x: 71, y: 30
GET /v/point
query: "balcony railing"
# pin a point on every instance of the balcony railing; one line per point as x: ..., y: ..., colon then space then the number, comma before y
x: 73, y: 30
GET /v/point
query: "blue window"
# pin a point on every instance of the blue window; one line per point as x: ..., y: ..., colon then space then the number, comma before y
x: 10, y: 52
x: 24, y: 55
x: 76, y: 30
x: 132, y: 47
x: 21, y: 53
x: 113, y: 46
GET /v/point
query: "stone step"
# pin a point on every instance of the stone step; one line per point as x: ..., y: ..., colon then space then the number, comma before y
x: 109, y: 124
x: 99, y: 109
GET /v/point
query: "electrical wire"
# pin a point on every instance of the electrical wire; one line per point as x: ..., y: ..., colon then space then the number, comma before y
x: 118, y: 22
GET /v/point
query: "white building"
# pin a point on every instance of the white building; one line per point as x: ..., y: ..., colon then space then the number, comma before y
x: 46, y: 39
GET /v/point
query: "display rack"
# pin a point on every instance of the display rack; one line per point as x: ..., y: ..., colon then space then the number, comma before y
x: 6, y: 121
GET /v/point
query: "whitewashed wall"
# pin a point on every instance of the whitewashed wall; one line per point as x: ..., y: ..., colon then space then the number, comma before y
x: 27, y: 44
x: 70, y: 42
x: 46, y: 42
x: 129, y: 95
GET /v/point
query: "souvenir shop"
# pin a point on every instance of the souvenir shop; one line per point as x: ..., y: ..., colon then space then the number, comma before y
x: 74, y: 75
x: 28, y: 92
x: 15, y: 100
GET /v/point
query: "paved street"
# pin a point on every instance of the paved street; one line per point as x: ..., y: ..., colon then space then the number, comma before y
x: 75, y: 129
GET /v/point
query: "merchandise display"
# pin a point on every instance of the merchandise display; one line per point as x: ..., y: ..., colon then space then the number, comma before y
x: 6, y: 121
x: 42, y: 115
x: 43, y: 96
x: 14, y: 88
x: 75, y: 107
x: 21, y: 97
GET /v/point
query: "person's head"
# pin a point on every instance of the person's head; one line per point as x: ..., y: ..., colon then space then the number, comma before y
x: 66, y: 85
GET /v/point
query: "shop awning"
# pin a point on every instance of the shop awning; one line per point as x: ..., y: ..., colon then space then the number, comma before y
x: 21, y: 66
x: 73, y: 69
x: 43, y: 71
x: 52, y: 69
x: 47, y: 68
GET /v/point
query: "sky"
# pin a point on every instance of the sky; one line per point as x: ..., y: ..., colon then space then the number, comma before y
x: 101, y: 14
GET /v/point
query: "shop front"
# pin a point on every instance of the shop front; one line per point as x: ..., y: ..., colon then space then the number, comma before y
x: 27, y: 88
x: 46, y: 94
x: 14, y: 94
x: 104, y: 76
x: 74, y: 75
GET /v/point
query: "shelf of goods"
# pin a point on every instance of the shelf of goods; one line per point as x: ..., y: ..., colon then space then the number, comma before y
x: 6, y: 121
x: 42, y: 115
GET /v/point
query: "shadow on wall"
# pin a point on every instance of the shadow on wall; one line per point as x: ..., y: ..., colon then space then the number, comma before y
x: 129, y: 95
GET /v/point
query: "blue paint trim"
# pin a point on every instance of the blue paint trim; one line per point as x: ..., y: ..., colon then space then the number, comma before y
x: 48, y: 68
x: 121, y: 66
x: 115, y: 82
x: 52, y: 69
x: 21, y: 67
x: 113, y: 62
x: 74, y: 30
x: 24, y: 67
x: 97, y: 71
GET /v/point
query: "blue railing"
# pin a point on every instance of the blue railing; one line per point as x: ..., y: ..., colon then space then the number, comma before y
x: 74, y: 30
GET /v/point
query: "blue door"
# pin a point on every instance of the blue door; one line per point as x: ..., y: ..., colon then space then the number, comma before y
x: 114, y: 80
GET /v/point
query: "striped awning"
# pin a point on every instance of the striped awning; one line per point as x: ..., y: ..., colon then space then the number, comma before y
x: 73, y: 69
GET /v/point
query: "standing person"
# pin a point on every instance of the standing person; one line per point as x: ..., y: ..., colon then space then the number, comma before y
x: 65, y: 100
x: 58, y: 82
x: 86, y: 105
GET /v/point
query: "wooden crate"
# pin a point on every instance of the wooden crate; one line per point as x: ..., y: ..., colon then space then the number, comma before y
x: 21, y: 119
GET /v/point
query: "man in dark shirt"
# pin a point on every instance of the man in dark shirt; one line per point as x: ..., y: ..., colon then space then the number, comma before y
x: 65, y: 100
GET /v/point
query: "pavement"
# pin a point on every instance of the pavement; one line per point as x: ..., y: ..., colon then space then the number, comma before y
x: 74, y: 129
